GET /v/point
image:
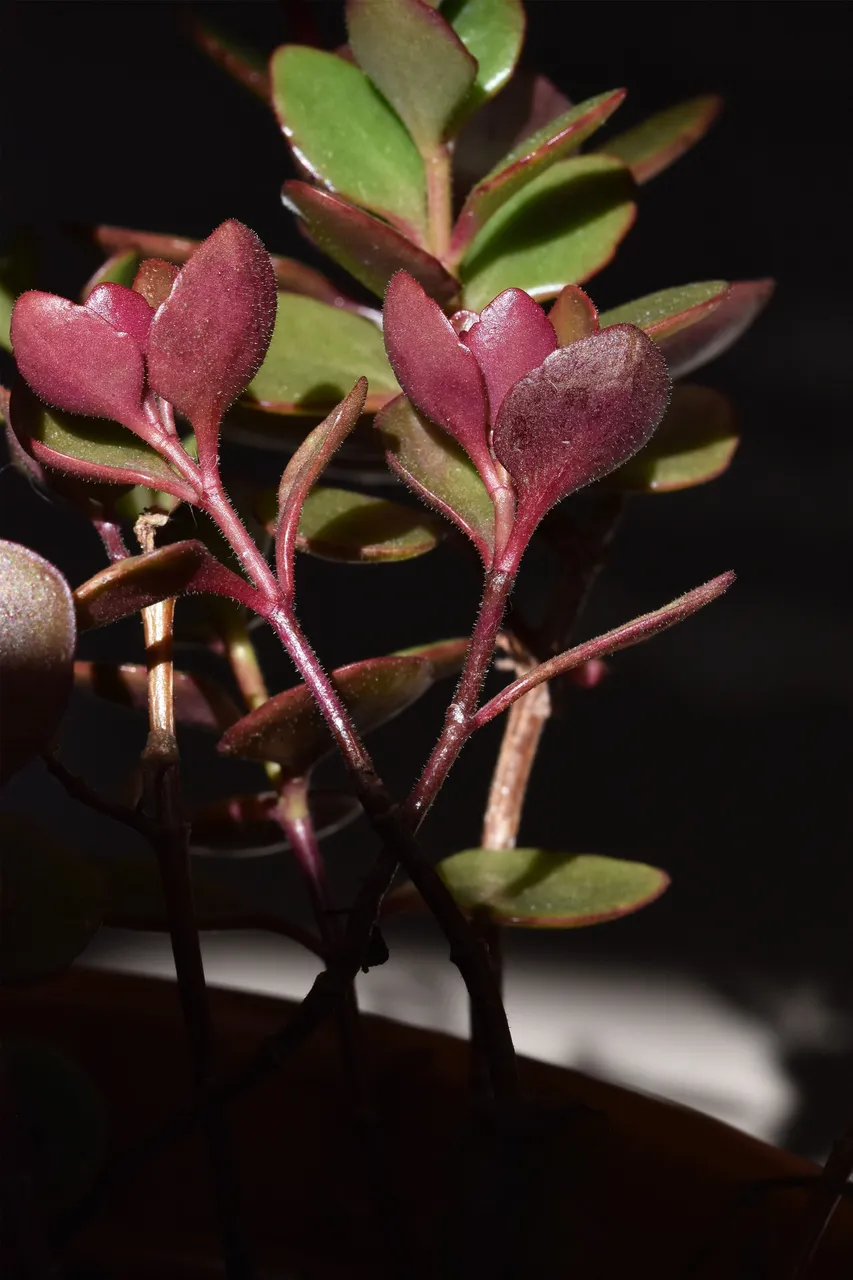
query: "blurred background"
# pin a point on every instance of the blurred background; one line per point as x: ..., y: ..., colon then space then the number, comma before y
x: 719, y: 751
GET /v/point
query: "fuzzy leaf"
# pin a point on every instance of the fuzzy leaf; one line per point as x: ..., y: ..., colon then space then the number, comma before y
x: 536, y: 889
x: 573, y: 315
x: 714, y: 332
x: 436, y: 370
x: 659, y: 141
x: 133, y: 584
x: 694, y: 443
x: 154, y: 280
x: 91, y: 448
x: 75, y: 360
x: 416, y: 60
x: 561, y: 228
x: 493, y: 32
x: 532, y: 157
x: 119, y: 268
x: 354, y: 528
x: 244, y: 826
x: 199, y: 703
x: 37, y: 639
x: 447, y: 656
x: 365, y: 246
x: 317, y: 352
x: 211, y: 334
x: 438, y: 471
x: 665, y: 313
x: 577, y: 417
x: 290, y: 730
x: 51, y: 903
x: 511, y: 337
x: 527, y: 103
x: 123, y: 308
x: 345, y: 135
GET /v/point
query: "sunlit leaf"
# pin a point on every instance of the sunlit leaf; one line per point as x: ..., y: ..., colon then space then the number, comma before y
x: 658, y: 142
x: 290, y: 730
x: 198, y: 702
x: 243, y: 826
x: 560, y: 229
x: 438, y: 471
x: 354, y: 528
x: 51, y: 902
x: 345, y: 135
x: 694, y: 443
x: 493, y: 32
x: 37, y: 640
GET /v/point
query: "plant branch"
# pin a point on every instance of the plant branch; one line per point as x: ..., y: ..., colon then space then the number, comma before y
x: 78, y: 789
x: 439, y: 200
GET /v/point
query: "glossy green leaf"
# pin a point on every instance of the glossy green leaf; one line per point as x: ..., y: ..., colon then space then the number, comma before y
x: 560, y: 229
x: 64, y: 1117
x: 658, y: 142
x: 198, y: 702
x: 345, y: 135
x: 664, y: 313
x: 51, y: 902
x: 37, y: 639
x: 535, y: 889
x: 289, y: 730
x: 243, y: 826
x: 532, y: 157
x: 447, y: 656
x: 695, y: 443
x: 120, y: 268
x: 439, y: 471
x: 416, y: 61
x: 354, y: 528
x: 316, y: 354
x: 493, y: 32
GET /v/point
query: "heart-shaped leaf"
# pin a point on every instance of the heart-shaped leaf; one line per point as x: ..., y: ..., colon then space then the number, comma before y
x: 573, y: 316
x: 211, y: 334
x: 365, y: 246
x: 694, y: 443
x: 416, y: 60
x: 91, y: 448
x: 345, y: 135
x: 316, y: 354
x: 447, y: 656
x: 290, y: 731
x: 527, y: 103
x: 199, y: 703
x: 536, y: 889
x: 37, y: 640
x: 493, y: 32
x: 561, y: 228
x: 64, y: 1117
x: 119, y: 268
x: 75, y: 360
x: 584, y: 411
x: 512, y: 336
x: 532, y: 157
x: 658, y: 142
x: 354, y: 528
x: 665, y: 313
x: 244, y: 826
x: 712, y: 333
x: 133, y: 584
x: 438, y: 471
x: 51, y: 902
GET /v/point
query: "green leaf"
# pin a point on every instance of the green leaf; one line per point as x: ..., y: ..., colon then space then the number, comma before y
x: 198, y: 702
x: 659, y: 141
x: 664, y: 313
x: 447, y: 656
x: 121, y: 268
x: 493, y: 32
x: 560, y: 229
x: 316, y: 354
x: 345, y: 135
x: 289, y: 729
x: 695, y: 443
x: 439, y: 471
x: 354, y: 528
x: 532, y: 157
x: 535, y: 889
x: 51, y: 902
x: 416, y: 60
x: 37, y: 639
x: 64, y: 1117
x: 243, y: 826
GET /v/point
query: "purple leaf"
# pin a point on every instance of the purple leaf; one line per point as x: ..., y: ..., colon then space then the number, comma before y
x: 438, y: 373
x: 716, y: 330
x: 154, y: 280
x: 201, y: 703
x: 126, y: 310
x: 209, y: 337
x: 463, y: 320
x: 582, y: 413
x: 573, y: 315
x: 75, y: 360
x: 512, y: 337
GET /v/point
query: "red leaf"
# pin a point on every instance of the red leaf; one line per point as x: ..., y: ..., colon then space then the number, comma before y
x: 154, y: 280
x: 512, y: 337
x: 697, y: 344
x: 126, y: 310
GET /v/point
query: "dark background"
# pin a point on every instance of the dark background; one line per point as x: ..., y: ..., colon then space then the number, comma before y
x: 719, y: 751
